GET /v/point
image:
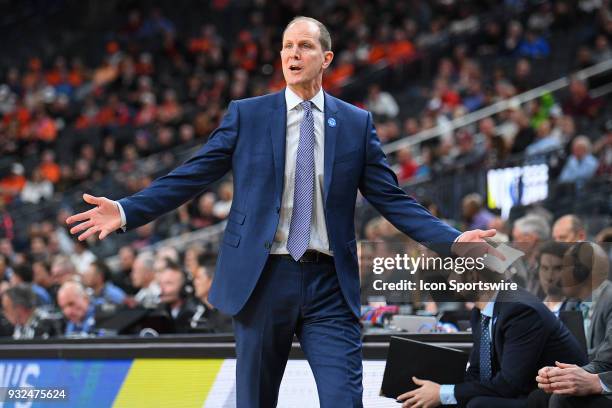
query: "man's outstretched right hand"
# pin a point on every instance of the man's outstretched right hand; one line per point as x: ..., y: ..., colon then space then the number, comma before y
x: 104, y: 218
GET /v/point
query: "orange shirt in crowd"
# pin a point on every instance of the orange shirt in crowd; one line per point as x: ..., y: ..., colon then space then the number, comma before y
x: 10, y: 186
x: 50, y: 171
x: 400, y: 51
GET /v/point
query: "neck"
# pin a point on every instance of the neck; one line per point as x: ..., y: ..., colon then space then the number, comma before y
x: 177, y: 303
x: 587, y: 289
x: 306, y: 91
x: 483, y: 299
x: 553, y: 298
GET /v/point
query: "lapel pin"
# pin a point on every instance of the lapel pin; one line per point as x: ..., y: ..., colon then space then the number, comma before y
x: 331, y: 122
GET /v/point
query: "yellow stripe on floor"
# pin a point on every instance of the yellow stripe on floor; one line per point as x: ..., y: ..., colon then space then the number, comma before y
x: 176, y: 383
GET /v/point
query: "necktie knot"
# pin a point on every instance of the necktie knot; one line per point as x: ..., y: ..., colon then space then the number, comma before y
x: 306, y: 106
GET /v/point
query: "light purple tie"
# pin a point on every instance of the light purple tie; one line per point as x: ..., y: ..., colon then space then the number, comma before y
x: 301, y: 216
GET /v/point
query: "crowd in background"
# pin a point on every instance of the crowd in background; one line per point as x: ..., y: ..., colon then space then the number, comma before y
x: 112, y: 118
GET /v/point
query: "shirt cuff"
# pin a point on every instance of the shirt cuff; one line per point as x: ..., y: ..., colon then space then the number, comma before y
x: 447, y: 394
x: 457, y: 239
x: 605, y: 389
x: 122, y: 213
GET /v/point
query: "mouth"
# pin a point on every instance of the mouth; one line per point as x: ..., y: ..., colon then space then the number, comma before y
x: 295, y: 68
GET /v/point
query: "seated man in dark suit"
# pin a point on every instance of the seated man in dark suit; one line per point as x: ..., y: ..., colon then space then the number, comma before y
x: 513, y: 334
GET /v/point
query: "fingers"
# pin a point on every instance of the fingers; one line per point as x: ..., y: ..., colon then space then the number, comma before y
x: 487, y: 233
x: 564, y: 388
x: 545, y: 387
x: 92, y: 200
x: 79, y: 217
x: 403, y: 396
x: 103, y: 234
x: 89, y: 233
x: 542, y: 380
x: 564, y: 365
x: 82, y: 226
x: 418, y: 381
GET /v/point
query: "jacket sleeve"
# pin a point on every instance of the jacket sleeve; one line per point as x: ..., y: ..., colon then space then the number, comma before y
x: 379, y: 186
x: 208, y: 165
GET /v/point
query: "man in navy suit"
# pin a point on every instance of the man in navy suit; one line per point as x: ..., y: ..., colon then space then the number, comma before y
x: 514, y: 334
x: 288, y: 261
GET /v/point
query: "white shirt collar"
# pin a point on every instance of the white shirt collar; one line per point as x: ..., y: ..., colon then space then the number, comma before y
x: 293, y: 100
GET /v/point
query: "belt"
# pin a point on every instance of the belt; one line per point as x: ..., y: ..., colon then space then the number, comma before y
x: 310, y: 256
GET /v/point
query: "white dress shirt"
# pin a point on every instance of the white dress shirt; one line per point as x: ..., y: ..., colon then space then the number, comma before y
x: 318, y: 230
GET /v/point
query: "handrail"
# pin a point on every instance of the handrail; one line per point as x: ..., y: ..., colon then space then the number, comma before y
x: 497, y: 107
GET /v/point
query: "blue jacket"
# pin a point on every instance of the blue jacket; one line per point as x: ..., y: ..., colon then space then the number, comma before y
x: 250, y: 141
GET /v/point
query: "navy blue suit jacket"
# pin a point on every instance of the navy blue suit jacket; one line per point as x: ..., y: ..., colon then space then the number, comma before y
x: 250, y: 141
x: 526, y: 337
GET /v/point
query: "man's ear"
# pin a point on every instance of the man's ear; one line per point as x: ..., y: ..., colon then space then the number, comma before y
x: 328, y: 56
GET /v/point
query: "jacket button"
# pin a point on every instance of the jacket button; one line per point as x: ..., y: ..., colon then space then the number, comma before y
x: 278, y: 210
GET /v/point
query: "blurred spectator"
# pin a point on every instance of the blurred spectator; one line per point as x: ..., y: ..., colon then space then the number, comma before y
x: 408, y: 167
x: 24, y: 274
x: 550, y: 265
x: 381, y: 103
x: 206, y: 318
x: 222, y: 207
x: 204, y: 215
x: 474, y: 212
x: 122, y: 277
x: 569, y: 228
x: 176, y: 297
x: 528, y: 233
x: 6, y: 222
x: 42, y: 278
x: 77, y: 309
x: 97, y: 278
x: 603, y: 150
x: 143, y: 279
x: 82, y: 256
x: 11, y: 185
x: 581, y: 165
x: 19, y: 307
x: 545, y: 142
x: 579, y: 103
x: 36, y: 189
x: 62, y: 270
x: 534, y: 46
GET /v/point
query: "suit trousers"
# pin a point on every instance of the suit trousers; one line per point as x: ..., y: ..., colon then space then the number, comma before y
x: 540, y: 399
x: 304, y: 299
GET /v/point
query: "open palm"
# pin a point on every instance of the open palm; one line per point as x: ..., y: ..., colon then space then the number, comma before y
x: 104, y: 218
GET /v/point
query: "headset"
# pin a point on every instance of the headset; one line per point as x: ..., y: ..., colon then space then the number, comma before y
x: 187, y: 289
x: 582, y: 257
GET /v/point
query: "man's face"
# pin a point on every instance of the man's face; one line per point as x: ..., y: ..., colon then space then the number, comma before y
x: 302, y: 57
x: 74, y: 307
x: 550, y: 273
x: 201, y: 283
x: 126, y: 258
x: 170, y: 282
x: 138, y: 273
x: 563, y: 232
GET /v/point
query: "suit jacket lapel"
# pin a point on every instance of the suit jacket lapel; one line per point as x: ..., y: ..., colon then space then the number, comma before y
x: 278, y: 130
x: 332, y: 127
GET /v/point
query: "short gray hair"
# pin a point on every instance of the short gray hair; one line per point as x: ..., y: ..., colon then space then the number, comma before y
x: 324, y: 36
x: 22, y: 295
x: 533, y: 224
